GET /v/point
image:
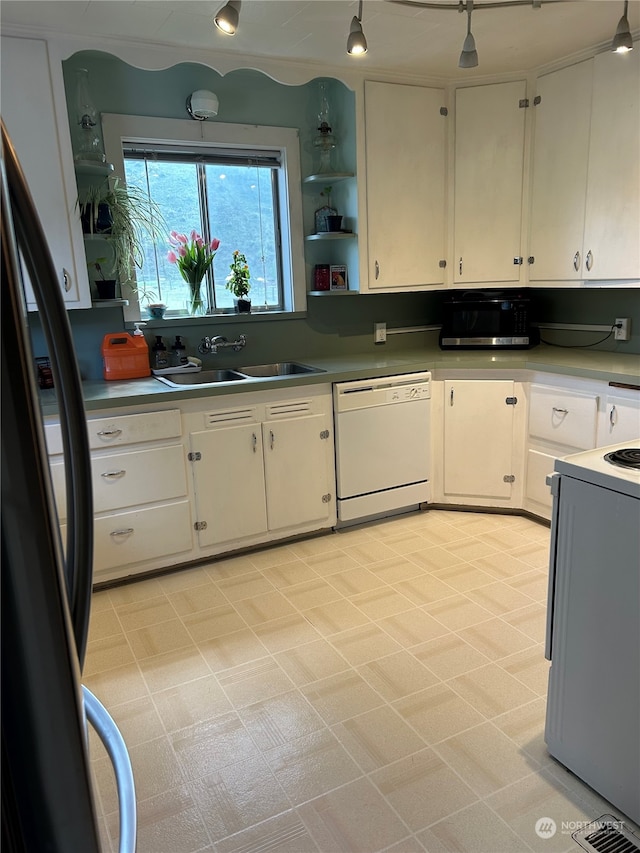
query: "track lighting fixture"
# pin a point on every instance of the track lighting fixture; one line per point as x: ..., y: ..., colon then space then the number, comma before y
x: 622, y: 41
x: 226, y: 20
x: 356, y: 43
x: 469, y: 55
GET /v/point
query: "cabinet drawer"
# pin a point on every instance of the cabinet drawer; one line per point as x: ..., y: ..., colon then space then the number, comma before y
x: 127, y: 479
x: 122, y: 429
x: 621, y: 421
x: 126, y: 538
x: 539, y: 466
x: 563, y: 417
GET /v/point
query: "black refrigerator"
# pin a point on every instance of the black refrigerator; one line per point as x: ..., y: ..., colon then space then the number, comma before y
x: 47, y: 798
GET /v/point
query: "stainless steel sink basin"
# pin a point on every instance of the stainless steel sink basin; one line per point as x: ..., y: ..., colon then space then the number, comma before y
x: 201, y: 379
x: 279, y: 368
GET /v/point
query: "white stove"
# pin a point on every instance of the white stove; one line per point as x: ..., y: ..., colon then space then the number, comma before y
x: 602, y: 468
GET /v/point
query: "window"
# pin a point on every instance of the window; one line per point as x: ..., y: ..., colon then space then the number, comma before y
x: 240, y: 184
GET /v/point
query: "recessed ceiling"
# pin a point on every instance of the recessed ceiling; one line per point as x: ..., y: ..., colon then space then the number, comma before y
x: 402, y: 38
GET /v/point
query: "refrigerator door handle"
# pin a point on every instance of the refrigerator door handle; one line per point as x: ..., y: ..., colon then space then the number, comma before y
x: 554, y: 482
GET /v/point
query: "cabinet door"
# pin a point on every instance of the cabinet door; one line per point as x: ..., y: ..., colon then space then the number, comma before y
x: 43, y: 147
x: 560, y: 159
x: 229, y: 483
x: 621, y: 423
x: 489, y: 152
x: 405, y: 156
x: 296, y: 471
x: 612, y: 222
x: 478, y: 439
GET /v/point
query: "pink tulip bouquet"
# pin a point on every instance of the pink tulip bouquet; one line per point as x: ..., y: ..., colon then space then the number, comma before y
x: 193, y: 257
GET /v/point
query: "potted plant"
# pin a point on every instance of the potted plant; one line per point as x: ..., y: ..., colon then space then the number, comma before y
x: 106, y: 286
x: 124, y: 216
x: 238, y: 282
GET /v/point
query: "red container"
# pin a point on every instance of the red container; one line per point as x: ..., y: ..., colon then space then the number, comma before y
x: 125, y: 356
x: 321, y: 279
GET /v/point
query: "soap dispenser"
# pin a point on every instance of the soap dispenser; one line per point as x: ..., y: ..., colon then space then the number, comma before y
x: 159, y: 357
x: 178, y: 353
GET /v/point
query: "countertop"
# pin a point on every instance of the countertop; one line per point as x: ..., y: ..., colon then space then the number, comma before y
x: 601, y: 366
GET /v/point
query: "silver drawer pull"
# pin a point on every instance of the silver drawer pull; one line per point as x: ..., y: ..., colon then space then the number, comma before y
x: 589, y: 261
x: 124, y: 531
x: 561, y: 411
x: 113, y: 475
x: 613, y: 416
x: 66, y: 280
x: 109, y: 433
x: 576, y: 261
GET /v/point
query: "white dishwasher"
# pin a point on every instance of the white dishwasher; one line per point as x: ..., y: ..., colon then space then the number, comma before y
x: 382, y: 435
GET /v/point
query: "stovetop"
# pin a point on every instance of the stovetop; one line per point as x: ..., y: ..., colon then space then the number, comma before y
x: 602, y: 467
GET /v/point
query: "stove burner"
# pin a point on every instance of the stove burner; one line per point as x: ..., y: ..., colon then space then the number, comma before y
x: 628, y: 457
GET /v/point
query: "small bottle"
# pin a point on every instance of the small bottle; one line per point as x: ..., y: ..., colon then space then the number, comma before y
x: 178, y: 353
x: 159, y: 357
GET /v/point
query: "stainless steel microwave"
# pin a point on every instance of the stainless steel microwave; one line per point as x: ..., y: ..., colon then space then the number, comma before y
x: 489, y: 319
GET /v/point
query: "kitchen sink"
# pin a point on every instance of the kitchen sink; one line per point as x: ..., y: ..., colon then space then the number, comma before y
x: 202, y: 379
x: 278, y: 368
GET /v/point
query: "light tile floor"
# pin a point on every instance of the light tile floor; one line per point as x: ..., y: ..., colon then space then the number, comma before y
x: 377, y: 689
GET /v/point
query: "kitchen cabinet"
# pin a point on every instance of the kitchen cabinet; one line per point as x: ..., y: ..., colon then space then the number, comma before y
x: 585, y: 200
x: 480, y: 442
x: 621, y: 419
x: 34, y: 112
x: 612, y: 216
x: 560, y: 160
x: 489, y: 157
x: 263, y: 468
x: 405, y: 131
x: 562, y: 420
x: 142, y: 514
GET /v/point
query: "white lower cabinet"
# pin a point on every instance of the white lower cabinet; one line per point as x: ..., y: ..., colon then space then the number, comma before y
x: 562, y: 420
x: 480, y: 446
x: 621, y: 419
x: 262, y: 469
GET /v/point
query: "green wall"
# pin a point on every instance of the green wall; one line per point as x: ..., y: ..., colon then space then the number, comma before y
x: 333, y: 324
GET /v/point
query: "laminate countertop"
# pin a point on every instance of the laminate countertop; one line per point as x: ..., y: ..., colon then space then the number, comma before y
x: 594, y: 365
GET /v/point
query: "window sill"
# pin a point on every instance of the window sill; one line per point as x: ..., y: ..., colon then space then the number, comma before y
x: 219, y: 319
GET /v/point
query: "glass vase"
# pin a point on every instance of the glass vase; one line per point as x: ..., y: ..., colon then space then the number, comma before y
x: 195, y: 304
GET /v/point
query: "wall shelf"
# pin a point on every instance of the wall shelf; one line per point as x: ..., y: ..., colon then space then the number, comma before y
x: 333, y: 293
x: 108, y: 303
x: 92, y: 167
x: 331, y: 235
x: 327, y: 176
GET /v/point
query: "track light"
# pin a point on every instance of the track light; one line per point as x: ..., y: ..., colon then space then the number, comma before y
x: 469, y: 55
x: 622, y: 41
x: 356, y: 43
x: 227, y: 17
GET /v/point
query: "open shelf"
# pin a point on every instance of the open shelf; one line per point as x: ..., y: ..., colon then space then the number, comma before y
x: 333, y: 293
x: 327, y: 176
x: 331, y: 235
x: 92, y: 167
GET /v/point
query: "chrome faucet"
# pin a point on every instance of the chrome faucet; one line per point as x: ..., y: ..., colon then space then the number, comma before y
x: 211, y: 345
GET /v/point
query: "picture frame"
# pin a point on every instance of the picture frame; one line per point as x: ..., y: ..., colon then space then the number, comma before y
x: 338, y: 277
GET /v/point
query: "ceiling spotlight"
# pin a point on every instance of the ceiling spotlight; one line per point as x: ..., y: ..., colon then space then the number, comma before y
x: 226, y: 19
x: 622, y: 41
x: 356, y: 43
x: 202, y: 105
x: 469, y: 55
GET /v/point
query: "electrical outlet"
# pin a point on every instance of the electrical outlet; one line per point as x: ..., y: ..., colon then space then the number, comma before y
x: 379, y: 333
x: 622, y: 332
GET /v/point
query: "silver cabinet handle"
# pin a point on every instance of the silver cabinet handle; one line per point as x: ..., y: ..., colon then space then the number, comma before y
x: 612, y: 416
x: 66, y: 280
x: 254, y: 442
x: 576, y: 261
x: 589, y: 260
x: 460, y: 265
x: 109, y: 433
x: 377, y: 269
x: 272, y: 439
x: 124, y: 531
x: 561, y: 411
x: 451, y: 398
x: 113, y: 475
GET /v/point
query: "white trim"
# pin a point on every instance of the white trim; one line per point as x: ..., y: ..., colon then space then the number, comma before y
x: 115, y: 128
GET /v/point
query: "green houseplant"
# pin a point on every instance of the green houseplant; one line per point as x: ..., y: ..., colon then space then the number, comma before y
x: 125, y: 216
x: 238, y: 282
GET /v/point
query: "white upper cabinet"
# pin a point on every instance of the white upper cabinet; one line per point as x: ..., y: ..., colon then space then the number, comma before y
x: 405, y: 186
x: 32, y: 91
x: 489, y: 156
x: 560, y: 161
x: 612, y: 219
